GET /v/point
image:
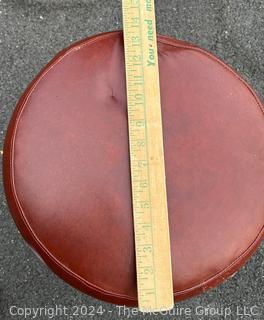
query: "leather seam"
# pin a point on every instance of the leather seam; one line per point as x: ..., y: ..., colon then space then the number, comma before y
x: 169, y: 41
x: 38, y: 242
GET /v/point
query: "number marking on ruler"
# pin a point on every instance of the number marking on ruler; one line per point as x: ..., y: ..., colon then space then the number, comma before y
x: 152, y: 241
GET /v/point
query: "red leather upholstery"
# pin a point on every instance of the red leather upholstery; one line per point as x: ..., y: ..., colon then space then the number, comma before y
x: 67, y: 178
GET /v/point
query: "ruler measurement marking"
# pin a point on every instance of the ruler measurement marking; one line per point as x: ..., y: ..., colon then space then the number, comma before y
x: 141, y: 35
x: 140, y: 101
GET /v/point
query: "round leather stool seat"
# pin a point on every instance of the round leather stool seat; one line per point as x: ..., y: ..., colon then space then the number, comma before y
x: 67, y: 175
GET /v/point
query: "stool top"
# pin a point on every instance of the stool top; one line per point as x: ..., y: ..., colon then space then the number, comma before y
x: 67, y: 177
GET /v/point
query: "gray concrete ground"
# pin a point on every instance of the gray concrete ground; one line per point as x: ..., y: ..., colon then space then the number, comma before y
x: 31, y: 33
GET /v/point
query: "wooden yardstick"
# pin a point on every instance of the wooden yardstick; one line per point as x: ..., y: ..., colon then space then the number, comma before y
x: 151, y: 228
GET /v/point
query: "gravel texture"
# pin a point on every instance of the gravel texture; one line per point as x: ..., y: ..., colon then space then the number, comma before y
x: 31, y: 33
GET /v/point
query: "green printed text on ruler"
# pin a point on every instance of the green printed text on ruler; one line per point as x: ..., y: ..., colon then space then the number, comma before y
x: 153, y: 260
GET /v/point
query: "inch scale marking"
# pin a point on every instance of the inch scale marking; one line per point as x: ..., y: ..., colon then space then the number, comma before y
x: 152, y: 241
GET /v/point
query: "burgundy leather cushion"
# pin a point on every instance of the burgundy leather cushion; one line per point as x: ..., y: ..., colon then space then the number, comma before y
x: 67, y: 178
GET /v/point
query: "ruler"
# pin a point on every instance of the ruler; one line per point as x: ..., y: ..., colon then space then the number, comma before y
x: 150, y: 213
